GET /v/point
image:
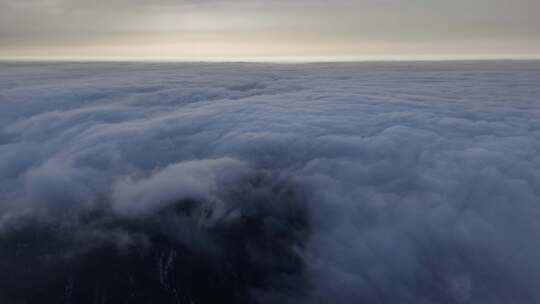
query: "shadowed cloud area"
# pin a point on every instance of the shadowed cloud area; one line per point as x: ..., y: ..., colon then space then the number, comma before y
x: 260, y: 183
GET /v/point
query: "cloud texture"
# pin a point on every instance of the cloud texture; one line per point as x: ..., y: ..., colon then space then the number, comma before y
x: 315, y: 183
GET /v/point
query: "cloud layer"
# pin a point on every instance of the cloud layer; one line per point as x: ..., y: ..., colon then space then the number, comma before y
x: 346, y: 183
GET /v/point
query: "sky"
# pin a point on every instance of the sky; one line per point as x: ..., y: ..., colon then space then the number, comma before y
x: 274, y: 30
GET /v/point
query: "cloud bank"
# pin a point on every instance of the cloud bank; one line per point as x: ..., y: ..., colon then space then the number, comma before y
x: 252, y: 183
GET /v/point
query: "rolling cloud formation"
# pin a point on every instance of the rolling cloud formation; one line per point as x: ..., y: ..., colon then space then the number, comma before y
x: 253, y: 183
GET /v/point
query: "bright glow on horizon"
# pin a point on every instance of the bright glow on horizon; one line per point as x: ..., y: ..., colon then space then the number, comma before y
x: 299, y: 59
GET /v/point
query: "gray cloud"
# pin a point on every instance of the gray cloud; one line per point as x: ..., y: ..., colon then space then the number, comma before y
x: 420, y: 181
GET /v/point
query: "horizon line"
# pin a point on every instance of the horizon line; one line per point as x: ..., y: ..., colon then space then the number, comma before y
x: 274, y: 59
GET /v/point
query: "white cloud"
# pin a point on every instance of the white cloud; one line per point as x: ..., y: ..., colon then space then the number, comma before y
x: 198, y: 180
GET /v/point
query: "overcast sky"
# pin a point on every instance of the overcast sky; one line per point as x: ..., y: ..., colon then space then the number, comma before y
x: 241, y: 29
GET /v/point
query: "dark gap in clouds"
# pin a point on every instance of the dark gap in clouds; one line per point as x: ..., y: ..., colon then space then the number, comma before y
x: 97, y: 256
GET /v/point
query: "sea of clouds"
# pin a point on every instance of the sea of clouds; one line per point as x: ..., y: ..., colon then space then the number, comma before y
x: 270, y: 183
